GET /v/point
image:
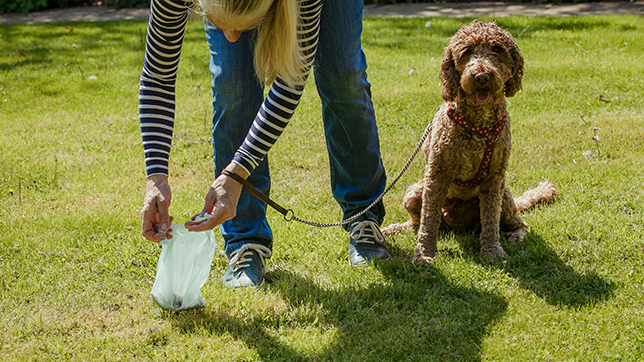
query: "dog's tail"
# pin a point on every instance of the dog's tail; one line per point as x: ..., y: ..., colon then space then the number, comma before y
x: 395, y: 229
x: 543, y: 193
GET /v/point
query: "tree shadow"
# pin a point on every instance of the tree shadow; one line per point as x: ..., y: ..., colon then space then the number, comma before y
x: 54, y: 42
x: 253, y: 331
x: 538, y: 268
x: 417, y: 314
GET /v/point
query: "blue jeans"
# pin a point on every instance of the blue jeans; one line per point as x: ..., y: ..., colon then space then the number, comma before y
x: 356, y: 169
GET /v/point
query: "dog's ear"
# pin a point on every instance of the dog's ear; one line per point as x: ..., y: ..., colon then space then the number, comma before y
x: 449, y: 77
x: 513, y: 85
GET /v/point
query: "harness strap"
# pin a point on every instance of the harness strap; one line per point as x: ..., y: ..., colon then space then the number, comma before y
x: 491, y: 135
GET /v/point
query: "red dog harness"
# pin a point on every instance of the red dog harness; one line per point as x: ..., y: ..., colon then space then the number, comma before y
x: 490, y: 134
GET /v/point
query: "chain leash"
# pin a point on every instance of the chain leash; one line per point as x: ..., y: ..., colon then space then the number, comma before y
x: 289, y: 215
x: 352, y: 218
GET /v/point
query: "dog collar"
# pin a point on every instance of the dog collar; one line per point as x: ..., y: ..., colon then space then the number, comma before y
x: 476, y: 129
x: 490, y: 134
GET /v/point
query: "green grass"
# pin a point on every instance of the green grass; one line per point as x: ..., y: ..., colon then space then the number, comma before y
x: 75, y: 273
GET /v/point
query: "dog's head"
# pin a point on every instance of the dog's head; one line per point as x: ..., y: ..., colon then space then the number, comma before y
x: 482, y: 64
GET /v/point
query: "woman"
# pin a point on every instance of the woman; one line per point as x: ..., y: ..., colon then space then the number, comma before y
x: 253, y: 43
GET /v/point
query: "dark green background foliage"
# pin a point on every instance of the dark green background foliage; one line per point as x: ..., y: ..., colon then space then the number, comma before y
x: 25, y: 6
x: 21, y: 6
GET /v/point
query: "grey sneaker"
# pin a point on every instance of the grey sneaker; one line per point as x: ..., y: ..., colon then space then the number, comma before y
x: 247, y: 267
x: 366, y: 243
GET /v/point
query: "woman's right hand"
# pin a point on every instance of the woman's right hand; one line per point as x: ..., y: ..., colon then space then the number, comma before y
x: 154, y: 214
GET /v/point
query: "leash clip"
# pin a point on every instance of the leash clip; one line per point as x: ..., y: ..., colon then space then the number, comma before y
x: 290, y: 215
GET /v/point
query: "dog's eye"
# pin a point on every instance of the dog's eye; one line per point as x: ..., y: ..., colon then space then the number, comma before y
x: 497, y: 49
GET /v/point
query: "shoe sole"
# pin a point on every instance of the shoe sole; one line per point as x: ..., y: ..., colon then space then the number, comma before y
x: 370, y: 260
x: 261, y: 285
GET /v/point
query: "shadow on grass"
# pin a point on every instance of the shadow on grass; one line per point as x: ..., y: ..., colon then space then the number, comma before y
x: 538, y: 268
x: 417, y: 314
x: 45, y: 45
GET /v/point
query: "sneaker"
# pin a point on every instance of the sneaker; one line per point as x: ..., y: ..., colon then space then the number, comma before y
x: 366, y: 243
x: 247, y: 267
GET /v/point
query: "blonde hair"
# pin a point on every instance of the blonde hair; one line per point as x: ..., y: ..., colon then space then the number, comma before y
x: 277, y: 50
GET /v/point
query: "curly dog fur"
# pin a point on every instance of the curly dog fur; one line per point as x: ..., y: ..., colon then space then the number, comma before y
x: 481, y: 67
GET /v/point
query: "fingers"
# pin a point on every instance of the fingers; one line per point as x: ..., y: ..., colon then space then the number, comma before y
x: 164, y: 219
x: 155, y: 217
x: 201, y: 226
x: 149, y: 228
x: 220, y: 215
x: 202, y: 215
x: 168, y: 233
x: 162, y: 204
x: 210, y: 200
x: 220, y: 201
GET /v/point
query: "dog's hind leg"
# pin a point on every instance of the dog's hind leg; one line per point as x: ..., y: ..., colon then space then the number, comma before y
x: 395, y: 229
x: 412, y: 203
x: 516, y: 228
x: 510, y: 219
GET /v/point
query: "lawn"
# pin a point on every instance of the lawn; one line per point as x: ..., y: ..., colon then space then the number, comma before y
x: 76, y: 274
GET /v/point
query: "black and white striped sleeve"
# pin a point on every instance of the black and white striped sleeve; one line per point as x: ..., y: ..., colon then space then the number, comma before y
x: 157, y: 87
x: 281, y: 101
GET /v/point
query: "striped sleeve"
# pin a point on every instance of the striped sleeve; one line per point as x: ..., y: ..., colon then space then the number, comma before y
x: 281, y: 101
x: 157, y: 85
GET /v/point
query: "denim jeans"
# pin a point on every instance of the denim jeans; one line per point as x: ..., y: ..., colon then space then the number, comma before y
x: 356, y: 170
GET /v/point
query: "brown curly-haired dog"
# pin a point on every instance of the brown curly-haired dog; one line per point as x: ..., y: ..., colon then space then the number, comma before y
x: 467, y: 153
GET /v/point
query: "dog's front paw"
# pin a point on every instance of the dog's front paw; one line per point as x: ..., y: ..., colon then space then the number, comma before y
x: 516, y: 236
x: 493, y: 250
x: 422, y: 259
x: 424, y: 255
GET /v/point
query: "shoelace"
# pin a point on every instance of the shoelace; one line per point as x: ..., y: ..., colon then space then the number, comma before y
x: 240, y: 258
x: 366, y: 231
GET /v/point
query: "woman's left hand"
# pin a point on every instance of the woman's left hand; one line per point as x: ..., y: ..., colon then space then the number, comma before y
x: 221, y: 201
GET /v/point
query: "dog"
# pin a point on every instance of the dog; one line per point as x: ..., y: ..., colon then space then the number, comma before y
x: 468, y: 148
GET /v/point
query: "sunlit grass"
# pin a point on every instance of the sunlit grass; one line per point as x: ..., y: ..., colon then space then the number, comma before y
x: 75, y: 274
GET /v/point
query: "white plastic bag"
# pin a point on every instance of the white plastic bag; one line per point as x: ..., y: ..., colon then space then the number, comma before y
x: 183, y: 268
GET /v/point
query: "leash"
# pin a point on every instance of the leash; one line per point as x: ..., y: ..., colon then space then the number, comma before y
x: 289, y: 215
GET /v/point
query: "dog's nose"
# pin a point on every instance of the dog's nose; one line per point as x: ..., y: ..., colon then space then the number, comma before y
x: 482, y: 78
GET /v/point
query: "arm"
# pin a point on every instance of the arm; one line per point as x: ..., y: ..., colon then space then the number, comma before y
x: 156, y: 110
x: 271, y: 120
x: 157, y: 87
x: 282, y: 100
